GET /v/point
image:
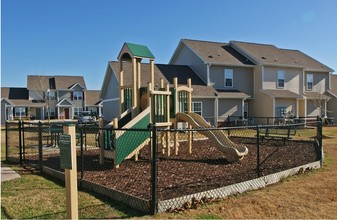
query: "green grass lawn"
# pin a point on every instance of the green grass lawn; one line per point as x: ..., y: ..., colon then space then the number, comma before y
x: 35, y: 196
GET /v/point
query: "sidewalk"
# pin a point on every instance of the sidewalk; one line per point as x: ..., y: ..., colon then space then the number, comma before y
x: 8, y: 174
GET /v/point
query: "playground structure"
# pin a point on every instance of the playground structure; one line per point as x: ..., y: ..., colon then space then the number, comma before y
x: 162, y: 106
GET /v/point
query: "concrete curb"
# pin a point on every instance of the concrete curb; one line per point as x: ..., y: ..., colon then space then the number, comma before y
x: 8, y: 174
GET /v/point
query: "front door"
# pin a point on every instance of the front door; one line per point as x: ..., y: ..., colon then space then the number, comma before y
x: 39, y: 113
x: 66, y: 113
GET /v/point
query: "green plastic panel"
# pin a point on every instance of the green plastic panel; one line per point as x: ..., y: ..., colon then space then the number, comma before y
x: 140, y: 50
x: 130, y: 140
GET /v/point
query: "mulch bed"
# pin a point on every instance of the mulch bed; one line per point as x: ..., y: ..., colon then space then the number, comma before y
x: 206, y: 168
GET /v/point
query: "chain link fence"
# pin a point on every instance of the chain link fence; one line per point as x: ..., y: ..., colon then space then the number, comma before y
x: 161, y: 169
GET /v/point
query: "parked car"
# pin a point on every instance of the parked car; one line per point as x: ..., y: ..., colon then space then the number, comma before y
x: 86, y: 117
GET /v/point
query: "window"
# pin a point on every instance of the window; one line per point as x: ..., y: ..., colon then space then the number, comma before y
x: 20, y: 111
x: 280, y: 78
x: 77, y: 111
x: 50, y: 95
x: 52, y: 111
x: 228, y: 78
x: 310, y: 81
x: 281, y: 111
x: 77, y: 95
x: 197, y: 107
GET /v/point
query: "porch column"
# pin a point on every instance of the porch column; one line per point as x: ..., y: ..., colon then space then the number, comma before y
x: 325, y: 108
x: 297, y: 108
x: 216, y: 111
x: 43, y: 113
x: 72, y: 113
x: 58, y: 112
x: 243, y: 107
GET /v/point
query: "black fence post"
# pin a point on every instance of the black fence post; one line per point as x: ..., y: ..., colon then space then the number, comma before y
x: 258, y: 150
x: 20, y: 142
x: 319, y: 137
x: 23, y: 141
x: 6, y: 130
x: 154, y: 169
x: 40, y: 146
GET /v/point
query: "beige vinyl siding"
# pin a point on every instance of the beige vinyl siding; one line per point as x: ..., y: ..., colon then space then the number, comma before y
x: 332, y: 108
x: 242, y: 78
x: 188, y: 57
x: 64, y: 95
x: 207, y: 108
x: 301, y: 108
x: 35, y: 94
x: 313, y: 108
x: 262, y: 106
x: 290, y: 105
x: 320, y: 83
x: 229, y: 107
x: 111, y: 108
x: 293, y: 77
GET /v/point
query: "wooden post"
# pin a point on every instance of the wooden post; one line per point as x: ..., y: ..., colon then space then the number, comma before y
x: 189, y: 109
x: 149, y: 102
x: 115, y: 126
x: 71, y: 176
x: 101, y: 141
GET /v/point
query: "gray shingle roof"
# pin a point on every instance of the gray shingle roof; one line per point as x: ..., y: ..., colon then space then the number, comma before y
x: 267, y: 54
x: 167, y: 73
x: 18, y: 96
x: 92, y: 97
x: 42, y: 82
x: 280, y: 93
x: 217, y: 52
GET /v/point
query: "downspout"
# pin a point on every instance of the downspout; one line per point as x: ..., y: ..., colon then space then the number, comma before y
x: 262, y: 77
x: 216, y: 110
x: 208, y: 73
x: 274, y: 107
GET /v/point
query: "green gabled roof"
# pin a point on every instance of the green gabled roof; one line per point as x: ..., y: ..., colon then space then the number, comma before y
x: 140, y: 50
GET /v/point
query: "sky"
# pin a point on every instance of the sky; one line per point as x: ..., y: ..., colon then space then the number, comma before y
x: 79, y: 37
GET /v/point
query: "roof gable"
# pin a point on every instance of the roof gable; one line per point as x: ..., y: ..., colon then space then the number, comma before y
x: 135, y: 50
x: 58, y: 82
x: 216, y: 53
x: 64, y: 102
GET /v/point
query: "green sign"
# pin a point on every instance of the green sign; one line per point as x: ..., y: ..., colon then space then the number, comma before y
x: 65, y: 151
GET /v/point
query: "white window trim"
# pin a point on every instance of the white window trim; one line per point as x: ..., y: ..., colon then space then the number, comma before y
x: 228, y: 74
x: 78, y: 110
x: 280, y: 76
x: 281, y: 108
x: 20, y: 113
x: 75, y: 98
x: 193, y: 110
x: 312, y: 81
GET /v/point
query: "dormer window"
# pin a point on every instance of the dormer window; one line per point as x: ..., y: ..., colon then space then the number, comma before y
x: 77, y: 95
x: 280, y: 79
x: 310, y: 81
x: 228, y: 78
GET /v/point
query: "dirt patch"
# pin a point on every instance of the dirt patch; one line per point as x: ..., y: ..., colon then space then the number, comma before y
x: 204, y: 169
